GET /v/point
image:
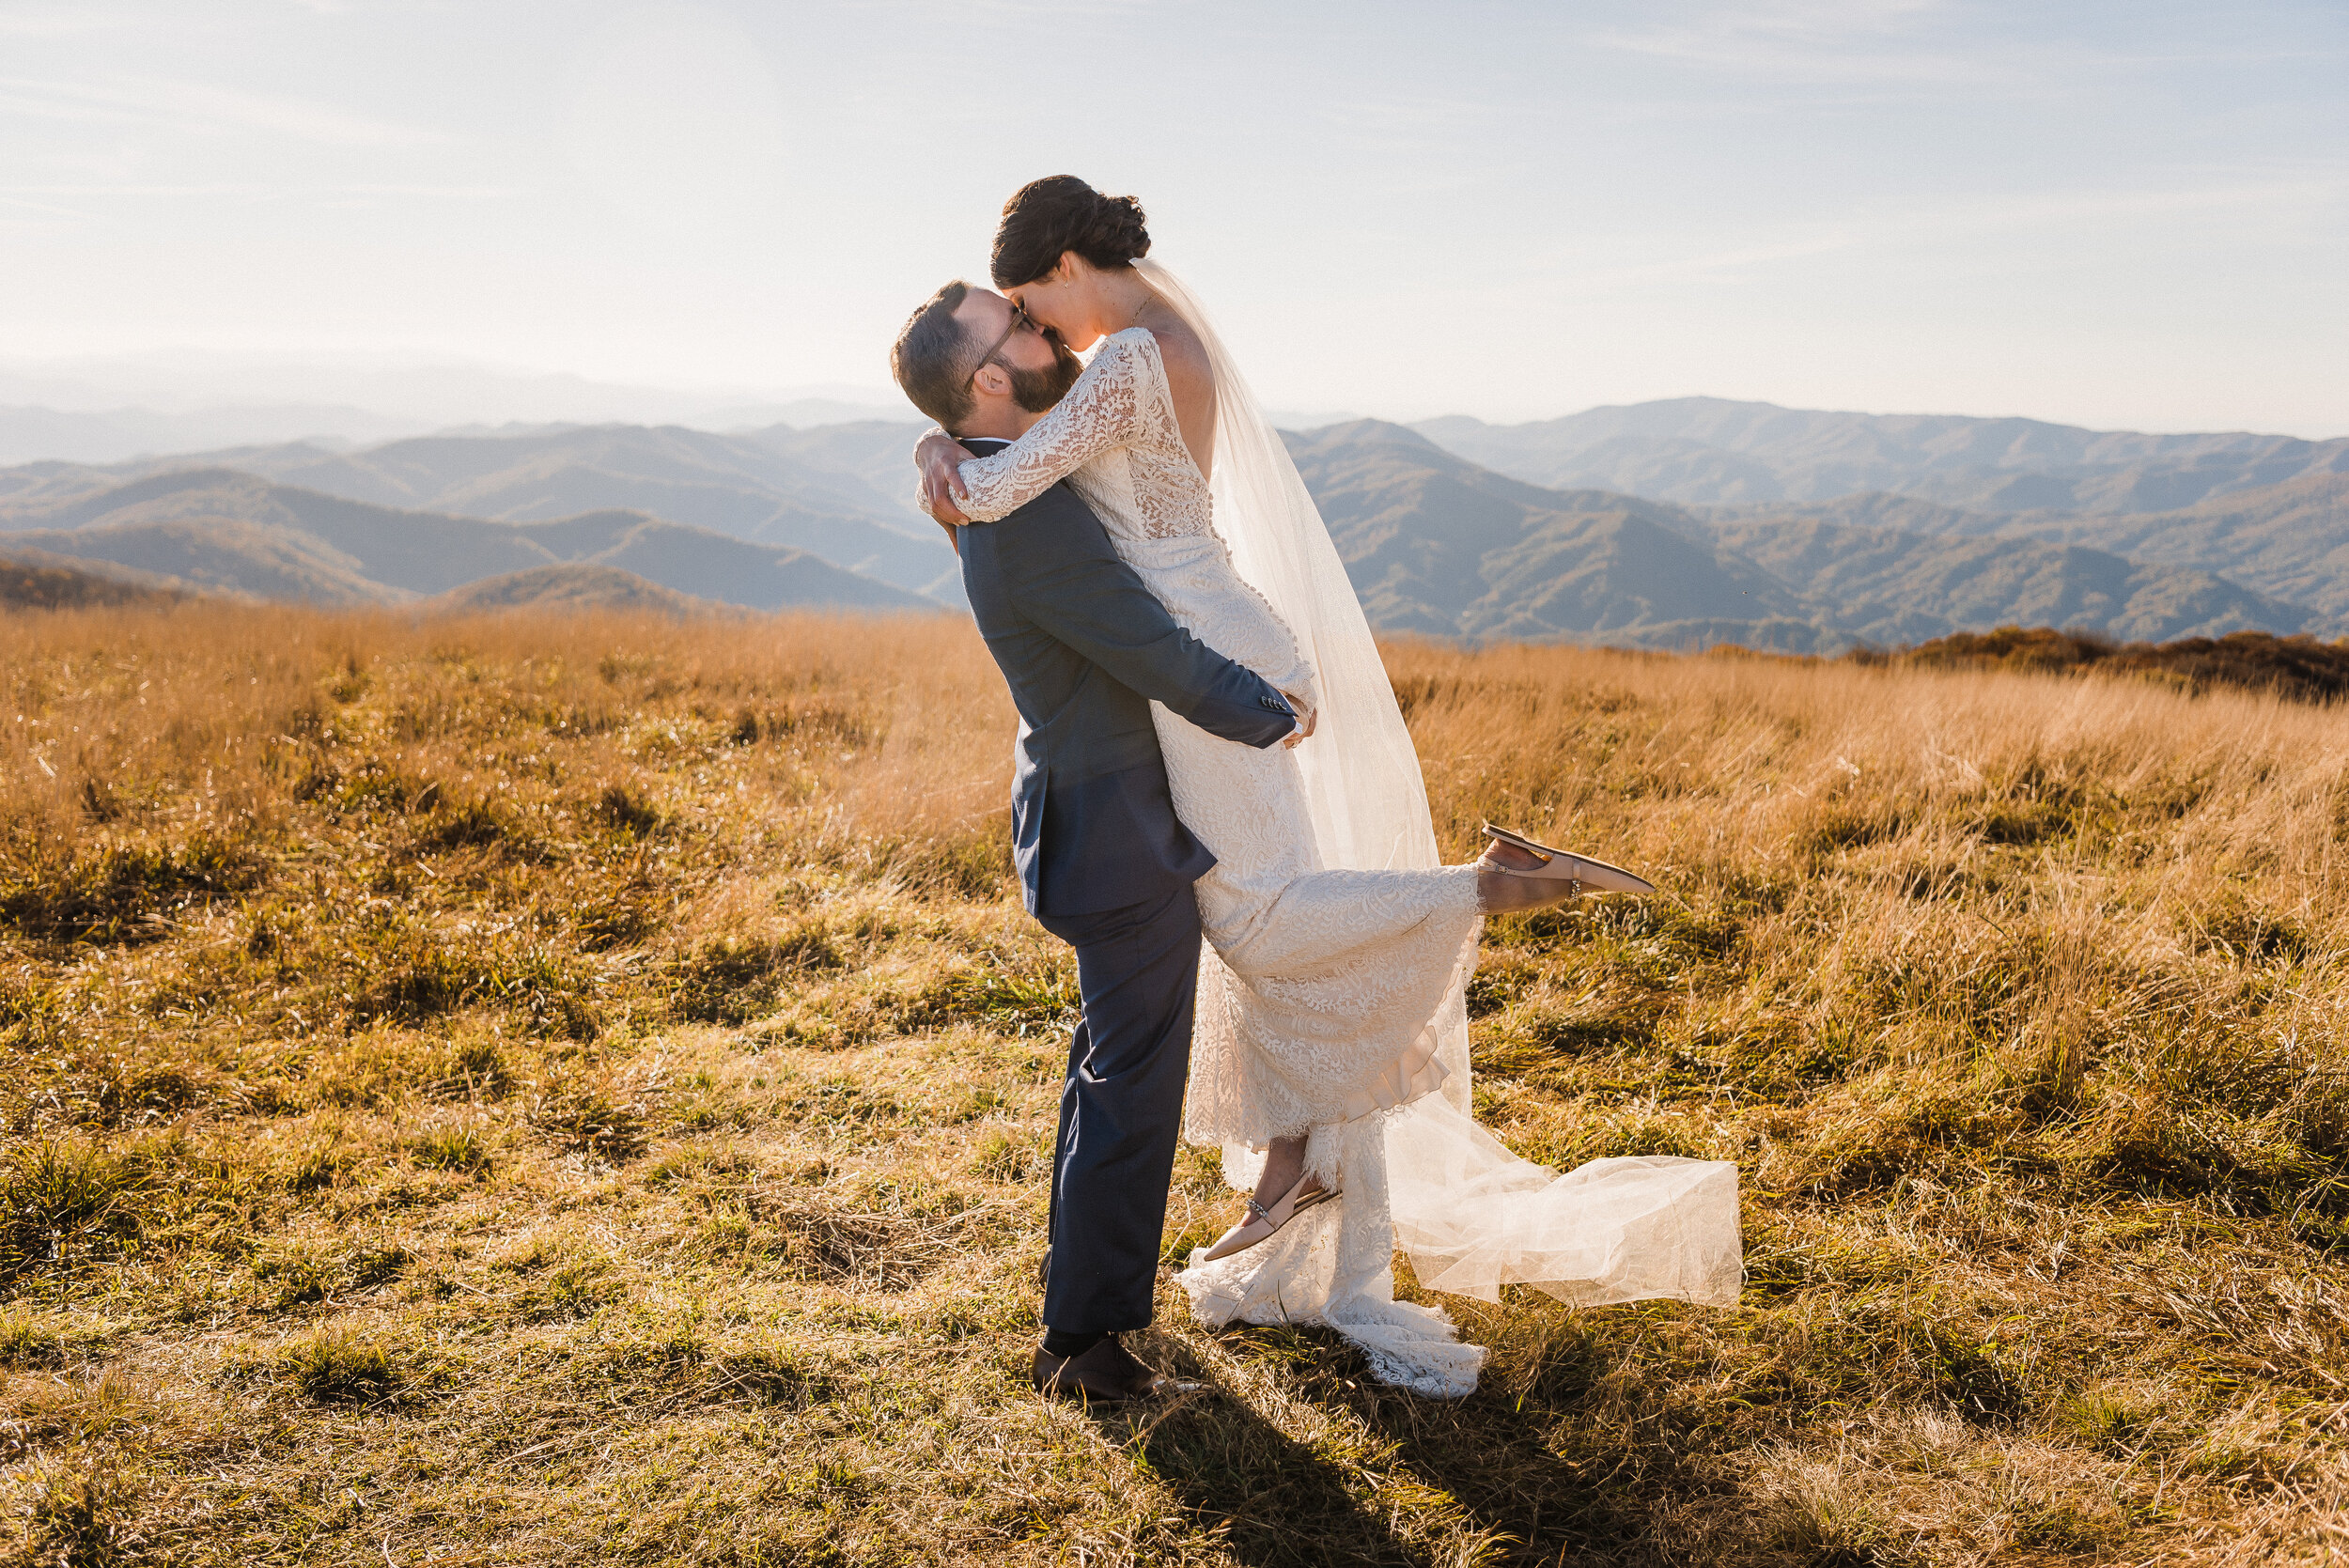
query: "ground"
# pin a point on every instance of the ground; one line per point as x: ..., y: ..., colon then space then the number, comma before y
x: 576, y: 1089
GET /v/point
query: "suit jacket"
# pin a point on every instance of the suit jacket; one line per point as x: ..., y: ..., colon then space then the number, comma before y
x: 1085, y: 648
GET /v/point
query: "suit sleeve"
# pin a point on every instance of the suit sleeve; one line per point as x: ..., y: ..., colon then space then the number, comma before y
x: 1063, y: 573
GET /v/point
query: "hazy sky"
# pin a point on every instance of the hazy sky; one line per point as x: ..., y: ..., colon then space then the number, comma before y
x: 2113, y: 214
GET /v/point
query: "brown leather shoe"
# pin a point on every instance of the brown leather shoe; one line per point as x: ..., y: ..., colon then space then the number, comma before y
x: 1106, y: 1375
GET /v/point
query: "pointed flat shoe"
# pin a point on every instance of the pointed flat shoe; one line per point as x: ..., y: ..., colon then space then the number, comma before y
x: 1587, y: 875
x: 1263, y: 1223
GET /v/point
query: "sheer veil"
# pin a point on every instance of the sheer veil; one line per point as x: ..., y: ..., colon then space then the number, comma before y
x: 1470, y: 1215
x: 1369, y: 803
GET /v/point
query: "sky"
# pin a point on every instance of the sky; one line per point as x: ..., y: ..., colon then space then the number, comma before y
x: 2120, y: 215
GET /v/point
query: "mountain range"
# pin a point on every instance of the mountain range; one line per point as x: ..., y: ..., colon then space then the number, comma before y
x: 2289, y: 539
x: 1709, y: 451
x: 1439, y: 545
x: 1660, y: 525
x: 227, y: 531
x: 749, y: 486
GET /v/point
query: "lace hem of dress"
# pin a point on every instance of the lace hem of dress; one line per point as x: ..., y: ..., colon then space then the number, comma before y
x: 1333, y: 1266
x: 1473, y: 1217
x: 1409, y: 1346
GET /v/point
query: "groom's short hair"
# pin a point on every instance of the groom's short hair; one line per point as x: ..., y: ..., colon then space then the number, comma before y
x: 928, y: 360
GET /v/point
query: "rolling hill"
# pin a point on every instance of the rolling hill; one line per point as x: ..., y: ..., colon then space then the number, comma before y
x: 33, y: 579
x: 878, y: 452
x: 1441, y: 546
x: 220, y: 556
x: 572, y: 586
x: 2290, y: 539
x: 239, y: 532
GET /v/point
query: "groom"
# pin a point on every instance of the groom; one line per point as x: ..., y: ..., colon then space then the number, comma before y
x: 1104, y: 863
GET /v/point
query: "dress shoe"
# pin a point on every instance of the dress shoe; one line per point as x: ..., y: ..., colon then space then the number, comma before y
x: 1106, y: 1375
x: 1554, y: 877
x: 1262, y: 1224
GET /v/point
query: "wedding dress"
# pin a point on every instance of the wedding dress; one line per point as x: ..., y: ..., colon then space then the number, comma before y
x: 1332, y: 983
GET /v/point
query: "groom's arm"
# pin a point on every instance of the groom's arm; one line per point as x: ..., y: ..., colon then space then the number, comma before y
x: 1061, y: 571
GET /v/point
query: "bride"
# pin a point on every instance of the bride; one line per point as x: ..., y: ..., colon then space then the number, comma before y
x: 1330, y: 1060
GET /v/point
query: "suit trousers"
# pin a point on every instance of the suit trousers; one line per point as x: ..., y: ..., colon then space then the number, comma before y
x: 1121, y: 1109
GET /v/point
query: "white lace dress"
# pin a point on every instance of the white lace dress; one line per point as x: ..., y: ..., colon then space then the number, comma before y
x: 1331, y: 999
x: 1319, y: 990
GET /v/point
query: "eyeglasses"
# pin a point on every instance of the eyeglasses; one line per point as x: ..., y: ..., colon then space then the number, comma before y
x: 1019, y: 319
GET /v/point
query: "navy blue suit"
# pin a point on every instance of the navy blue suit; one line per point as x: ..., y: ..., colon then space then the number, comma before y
x: 1106, y: 866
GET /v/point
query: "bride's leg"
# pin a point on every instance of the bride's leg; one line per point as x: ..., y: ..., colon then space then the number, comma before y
x: 1284, y: 1162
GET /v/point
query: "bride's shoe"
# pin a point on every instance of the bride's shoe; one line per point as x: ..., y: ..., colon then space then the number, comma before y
x: 1584, y: 874
x: 1263, y: 1223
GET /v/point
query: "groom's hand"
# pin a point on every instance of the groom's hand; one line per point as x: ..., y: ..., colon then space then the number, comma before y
x: 1304, y: 719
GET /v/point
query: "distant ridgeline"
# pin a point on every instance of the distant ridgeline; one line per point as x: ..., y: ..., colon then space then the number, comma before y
x: 36, y: 586
x: 2297, y: 667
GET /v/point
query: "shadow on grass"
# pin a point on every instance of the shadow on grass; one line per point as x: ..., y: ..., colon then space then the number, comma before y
x: 1539, y: 1506
x: 1282, y: 1501
x: 1278, y: 1502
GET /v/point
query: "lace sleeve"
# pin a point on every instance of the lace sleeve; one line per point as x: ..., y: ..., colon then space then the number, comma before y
x: 1103, y: 410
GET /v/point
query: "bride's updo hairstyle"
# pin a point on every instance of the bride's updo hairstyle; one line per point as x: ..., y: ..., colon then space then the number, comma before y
x: 1060, y: 213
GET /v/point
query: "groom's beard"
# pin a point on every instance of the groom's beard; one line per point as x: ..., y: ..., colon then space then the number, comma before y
x: 1038, y: 390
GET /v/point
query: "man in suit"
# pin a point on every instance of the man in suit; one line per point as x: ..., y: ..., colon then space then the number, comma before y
x: 1104, y: 863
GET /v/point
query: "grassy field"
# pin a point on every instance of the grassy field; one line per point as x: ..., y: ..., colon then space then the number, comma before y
x: 576, y: 1090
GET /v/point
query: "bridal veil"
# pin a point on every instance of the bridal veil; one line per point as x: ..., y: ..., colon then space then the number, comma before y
x: 1470, y: 1215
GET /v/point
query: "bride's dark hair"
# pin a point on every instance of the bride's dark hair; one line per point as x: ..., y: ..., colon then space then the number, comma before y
x: 1061, y: 212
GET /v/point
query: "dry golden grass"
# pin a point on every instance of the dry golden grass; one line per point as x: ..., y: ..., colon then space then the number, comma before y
x: 576, y: 1090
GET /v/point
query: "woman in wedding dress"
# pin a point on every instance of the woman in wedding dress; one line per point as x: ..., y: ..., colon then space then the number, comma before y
x: 1330, y: 1060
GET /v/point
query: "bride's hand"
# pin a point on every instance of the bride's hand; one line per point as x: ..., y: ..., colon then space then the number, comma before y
x: 1304, y: 718
x: 940, y: 460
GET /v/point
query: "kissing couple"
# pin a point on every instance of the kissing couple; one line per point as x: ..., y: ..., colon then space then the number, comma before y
x: 1208, y: 747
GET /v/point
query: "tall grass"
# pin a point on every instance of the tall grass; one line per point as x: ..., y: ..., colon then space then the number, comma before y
x: 550, y: 1088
